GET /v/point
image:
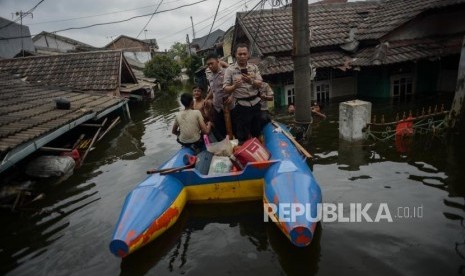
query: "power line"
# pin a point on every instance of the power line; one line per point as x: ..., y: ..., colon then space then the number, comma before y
x: 214, y: 19
x: 206, y: 19
x: 22, y: 14
x: 100, y: 14
x: 150, y: 19
x: 112, y: 22
x: 128, y: 19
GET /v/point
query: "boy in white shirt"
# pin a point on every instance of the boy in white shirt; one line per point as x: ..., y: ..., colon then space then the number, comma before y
x: 189, y: 123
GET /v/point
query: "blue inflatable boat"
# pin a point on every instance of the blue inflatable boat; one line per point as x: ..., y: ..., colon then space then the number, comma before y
x: 283, y: 182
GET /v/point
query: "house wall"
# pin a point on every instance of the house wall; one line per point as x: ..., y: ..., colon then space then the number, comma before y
x: 343, y: 87
x: 442, y: 22
x: 373, y: 82
x: 427, y: 73
x: 10, y: 47
x: 447, y: 79
x: 53, y: 43
x: 126, y: 43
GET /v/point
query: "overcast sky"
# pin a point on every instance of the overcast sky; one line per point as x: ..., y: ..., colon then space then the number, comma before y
x: 167, y: 28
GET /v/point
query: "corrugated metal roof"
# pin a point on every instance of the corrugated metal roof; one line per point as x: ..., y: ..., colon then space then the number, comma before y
x: 213, y: 38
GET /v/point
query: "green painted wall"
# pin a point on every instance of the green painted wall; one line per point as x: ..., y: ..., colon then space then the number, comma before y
x: 427, y: 77
x: 373, y: 82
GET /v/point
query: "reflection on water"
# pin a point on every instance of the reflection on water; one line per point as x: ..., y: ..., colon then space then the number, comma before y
x: 68, y: 231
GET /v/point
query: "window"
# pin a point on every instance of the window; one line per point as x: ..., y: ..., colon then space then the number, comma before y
x: 322, y: 91
x: 290, y: 94
x: 401, y: 87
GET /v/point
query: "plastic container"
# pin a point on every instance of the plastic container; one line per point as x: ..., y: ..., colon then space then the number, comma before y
x: 252, y: 151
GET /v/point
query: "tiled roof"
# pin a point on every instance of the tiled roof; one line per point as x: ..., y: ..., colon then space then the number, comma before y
x: 401, y: 51
x: 28, y: 111
x: 318, y: 60
x: 89, y: 71
x: 393, y: 13
x: 330, y: 24
x: 385, y: 53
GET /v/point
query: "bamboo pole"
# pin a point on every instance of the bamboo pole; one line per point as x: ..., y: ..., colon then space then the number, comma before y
x: 113, y: 124
x: 76, y: 144
x: 292, y: 139
x: 55, y: 149
x: 92, y: 142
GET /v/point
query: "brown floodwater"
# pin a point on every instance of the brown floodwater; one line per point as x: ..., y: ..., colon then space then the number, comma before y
x: 69, y: 230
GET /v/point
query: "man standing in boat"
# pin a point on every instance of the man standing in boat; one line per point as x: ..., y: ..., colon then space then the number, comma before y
x: 243, y: 80
x: 215, y: 77
x: 266, y: 95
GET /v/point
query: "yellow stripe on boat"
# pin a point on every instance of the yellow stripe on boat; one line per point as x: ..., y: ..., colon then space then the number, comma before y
x: 225, y: 191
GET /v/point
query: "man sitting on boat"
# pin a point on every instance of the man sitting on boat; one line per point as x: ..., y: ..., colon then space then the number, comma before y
x: 242, y: 80
x: 188, y: 124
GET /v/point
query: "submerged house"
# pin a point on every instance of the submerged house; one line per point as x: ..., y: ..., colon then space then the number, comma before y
x: 137, y: 52
x: 380, y: 49
x: 30, y: 118
x: 103, y: 72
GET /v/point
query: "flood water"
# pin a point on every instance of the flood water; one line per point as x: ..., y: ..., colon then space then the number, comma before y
x: 69, y: 230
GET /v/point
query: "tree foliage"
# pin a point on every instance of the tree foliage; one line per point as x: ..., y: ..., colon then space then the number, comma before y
x: 163, y: 68
x: 192, y: 63
x: 179, y: 50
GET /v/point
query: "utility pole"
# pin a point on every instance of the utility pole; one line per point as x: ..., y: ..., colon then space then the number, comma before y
x: 193, y: 30
x: 457, y: 111
x: 301, y: 59
x: 188, y: 44
x: 22, y: 14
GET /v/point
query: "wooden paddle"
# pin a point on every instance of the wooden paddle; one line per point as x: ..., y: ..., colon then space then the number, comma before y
x: 177, y: 169
x: 296, y: 144
x: 191, y: 162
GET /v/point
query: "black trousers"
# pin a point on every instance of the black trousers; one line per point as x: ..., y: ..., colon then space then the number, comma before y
x: 247, y: 121
x: 196, y: 146
x: 220, y: 125
x: 265, y: 118
x: 219, y: 130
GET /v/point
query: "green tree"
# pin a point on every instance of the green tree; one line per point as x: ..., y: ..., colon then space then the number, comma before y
x: 192, y: 63
x: 163, y: 68
x: 179, y: 50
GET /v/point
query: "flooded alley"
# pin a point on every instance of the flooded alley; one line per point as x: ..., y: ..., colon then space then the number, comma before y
x: 68, y: 231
